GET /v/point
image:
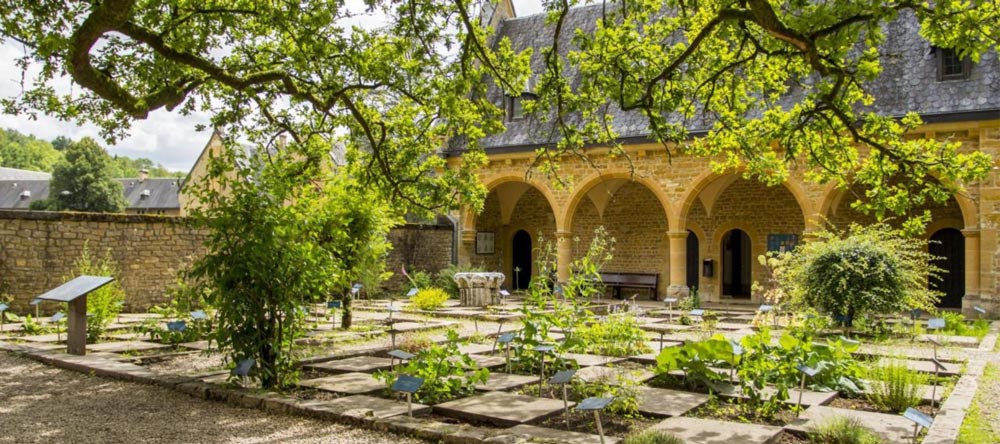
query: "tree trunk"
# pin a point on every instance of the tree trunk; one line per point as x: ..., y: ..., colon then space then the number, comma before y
x: 348, y: 316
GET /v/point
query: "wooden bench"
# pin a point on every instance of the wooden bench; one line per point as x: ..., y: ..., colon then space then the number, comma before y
x: 617, y: 281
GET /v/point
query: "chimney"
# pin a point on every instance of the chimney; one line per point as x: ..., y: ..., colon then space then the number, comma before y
x: 143, y: 175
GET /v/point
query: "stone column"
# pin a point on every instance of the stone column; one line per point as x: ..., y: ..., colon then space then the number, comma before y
x: 479, y: 289
x: 466, y: 247
x: 972, y: 267
x: 564, y: 255
x: 678, y: 264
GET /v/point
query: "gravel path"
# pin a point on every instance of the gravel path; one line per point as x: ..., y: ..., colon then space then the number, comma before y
x: 41, y: 404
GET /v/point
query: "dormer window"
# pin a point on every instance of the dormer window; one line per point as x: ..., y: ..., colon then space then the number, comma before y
x: 26, y: 194
x: 144, y: 195
x: 950, y: 66
x: 514, y: 109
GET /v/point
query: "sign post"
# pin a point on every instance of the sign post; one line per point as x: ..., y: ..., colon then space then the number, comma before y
x: 919, y: 420
x: 596, y: 405
x: 563, y: 378
x: 670, y: 314
x: 243, y: 370
x: 505, y: 340
x: 806, y: 372
x: 3, y: 308
x: 400, y: 355
x: 408, y: 385
x: 74, y: 293
x: 938, y: 366
x: 543, y: 349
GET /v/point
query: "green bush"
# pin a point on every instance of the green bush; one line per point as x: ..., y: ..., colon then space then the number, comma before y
x: 652, y: 437
x: 618, y: 335
x: 429, y: 299
x: 869, y: 269
x: 614, y: 384
x: 894, y: 387
x: 104, y: 304
x: 447, y: 372
x: 843, y: 430
x: 954, y: 324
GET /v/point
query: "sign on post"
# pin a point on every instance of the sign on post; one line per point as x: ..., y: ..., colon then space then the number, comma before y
x: 408, y: 385
x: 563, y: 377
x: 919, y: 420
x: 177, y: 326
x: 596, y: 405
x: 413, y: 292
x: 74, y: 294
x: 199, y: 315
x: 806, y: 371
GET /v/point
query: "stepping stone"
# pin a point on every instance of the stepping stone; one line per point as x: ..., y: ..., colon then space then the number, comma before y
x: 663, y: 402
x: 585, y: 360
x: 362, y: 364
x: 127, y: 346
x: 709, y: 431
x: 197, y: 345
x: 951, y: 369
x: 964, y: 341
x: 610, y: 375
x: 543, y: 434
x: 128, y: 336
x: 809, y: 397
x: 45, y: 338
x: 484, y: 361
x: 350, y: 383
x: 379, y: 407
x: 476, y: 349
x: 894, y: 428
x: 730, y: 326
x: 219, y: 378
x: 505, y: 381
x: 46, y: 346
x: 501, y: 408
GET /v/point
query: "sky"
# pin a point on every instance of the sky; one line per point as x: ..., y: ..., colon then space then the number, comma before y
x: 168, y: 138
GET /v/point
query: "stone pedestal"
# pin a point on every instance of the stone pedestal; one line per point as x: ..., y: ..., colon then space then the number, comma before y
x: 479, y: 289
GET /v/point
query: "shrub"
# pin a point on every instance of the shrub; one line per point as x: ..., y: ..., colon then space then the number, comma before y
x: 652, y: 437
x: 618, y: 385
x: 618, y: 336
x: 843, y: 430
x: 429, y: 299
x: 447, y: 372
x: 954, y: 324
x: 869, y: 269
x: 894, y: 387
x: 104, y: 304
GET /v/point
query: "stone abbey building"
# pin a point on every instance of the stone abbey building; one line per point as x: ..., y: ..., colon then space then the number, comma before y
x: 690, y: 227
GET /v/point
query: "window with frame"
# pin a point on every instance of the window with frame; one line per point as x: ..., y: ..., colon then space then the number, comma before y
x: 951, y: 66
x: 515, y: 110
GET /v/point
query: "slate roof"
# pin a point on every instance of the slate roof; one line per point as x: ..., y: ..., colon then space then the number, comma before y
x: 908, y: 82
x: 162, y: 193
x: 16, y: 174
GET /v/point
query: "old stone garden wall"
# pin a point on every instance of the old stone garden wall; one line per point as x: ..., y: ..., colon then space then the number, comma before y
x: 38, y: 251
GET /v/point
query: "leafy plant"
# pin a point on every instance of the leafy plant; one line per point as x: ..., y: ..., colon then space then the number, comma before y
x: 616, y: 335
x: 651, y: 437
x: 894, y: 387
x: 843, y: 430
x: 624, y: 389
x: 868, y: 269
x: 955, y: 324
x: 429, y: 299
x: 103, y: 304
x: 32, y: 327
x: 447, y: 372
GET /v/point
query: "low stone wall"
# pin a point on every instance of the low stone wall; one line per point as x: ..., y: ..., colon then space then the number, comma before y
x: 38, y: 251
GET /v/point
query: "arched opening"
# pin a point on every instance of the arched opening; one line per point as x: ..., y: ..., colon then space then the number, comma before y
x: 692, y: 260
x: 736, y: 264
x: 521, y: 259
x: 948, y: 245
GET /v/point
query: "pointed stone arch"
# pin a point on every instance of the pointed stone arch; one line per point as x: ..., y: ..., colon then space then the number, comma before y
x: 707, y: 179
x: 598, y: 179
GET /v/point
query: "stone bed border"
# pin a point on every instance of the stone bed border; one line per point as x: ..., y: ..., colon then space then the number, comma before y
x: 945, y: 429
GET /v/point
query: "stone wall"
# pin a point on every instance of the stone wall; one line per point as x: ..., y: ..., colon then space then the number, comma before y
x: 38, y: 251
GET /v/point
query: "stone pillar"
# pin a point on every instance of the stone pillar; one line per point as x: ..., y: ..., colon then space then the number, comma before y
x: 678, y: 264
x: 466, y: 247
x: 972, y: 266
x: 479, y: 289
x: 564, y: 255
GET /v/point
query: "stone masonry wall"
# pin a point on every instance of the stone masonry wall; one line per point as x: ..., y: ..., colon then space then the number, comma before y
x: 38, y: 251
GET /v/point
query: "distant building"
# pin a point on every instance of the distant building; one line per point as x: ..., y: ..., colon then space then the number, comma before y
x: 19, y: 188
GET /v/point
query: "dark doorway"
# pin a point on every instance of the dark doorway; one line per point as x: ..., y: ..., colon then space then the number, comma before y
x: 521, y: 261
x: 692, y: 260
x: 949, y: 246
x: 736, y: 264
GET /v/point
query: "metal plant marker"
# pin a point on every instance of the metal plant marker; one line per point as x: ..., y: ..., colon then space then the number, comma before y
x: 938, y: 366
x: 243, y: 369
x: 505, y: 340
x: 543, y: 349
x: 806, y: 372
x: 563, y: 378
x: 408, y: 385
x: 400, y: 355
x: 919, y: 420
x: 3, y: 308
x: 596, y: 405
x: 670, y: 314
x: 980, y: 311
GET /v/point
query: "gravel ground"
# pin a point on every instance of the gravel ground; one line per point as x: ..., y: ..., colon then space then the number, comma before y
x: 41, y: 404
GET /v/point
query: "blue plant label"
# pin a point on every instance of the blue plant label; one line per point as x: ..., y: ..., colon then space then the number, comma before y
x: 544, y: 348
x: 562, y: 377
x: 807, y: 370
x: 935, y: 323
x: 3, y: 307
x: 697, y: 312
x: 594, y: 403
x: 199, y: 315
x: 57, y: 317
x: 979, y: 309
x: 737, y: 348
x: 243, y: 367
x: 177, y: 326
x: 35, y: 301
x: 393, y: 307
x: 669, y: 300
x: 355, y: 289
x: 506, y: 338
x: 407, y: 384
x: 765, y: 308
x: 918, y: 417
x: 413, y: 292
x: 504, y: 293
x: 915, y: 313
x: 333, y: 304
x: 401, y: 355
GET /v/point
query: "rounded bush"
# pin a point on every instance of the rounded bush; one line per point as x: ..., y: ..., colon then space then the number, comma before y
x: 430, y: 299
